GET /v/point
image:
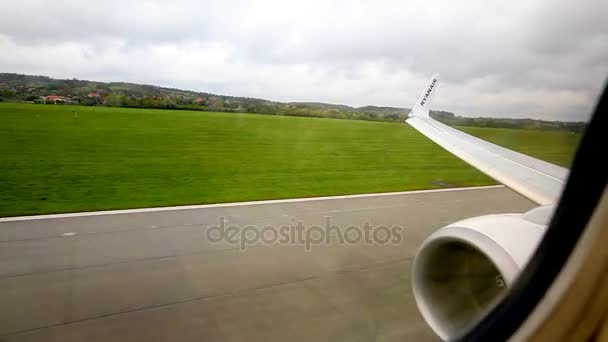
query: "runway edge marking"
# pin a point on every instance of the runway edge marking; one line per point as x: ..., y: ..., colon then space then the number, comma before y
x: 237, y: 204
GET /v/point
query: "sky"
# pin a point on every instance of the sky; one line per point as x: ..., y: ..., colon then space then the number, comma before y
x: 545, y: 59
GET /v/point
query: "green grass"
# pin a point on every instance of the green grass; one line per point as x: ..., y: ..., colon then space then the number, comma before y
x: 555, y: 147
x: 69, y: 158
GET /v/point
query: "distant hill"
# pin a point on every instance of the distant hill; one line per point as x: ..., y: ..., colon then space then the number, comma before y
x: 385, y: 110
x: 320, y: 105
x: 43, y: 89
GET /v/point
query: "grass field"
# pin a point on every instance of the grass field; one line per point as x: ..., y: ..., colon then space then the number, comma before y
x: 67, y: 158
x: 555, y: 147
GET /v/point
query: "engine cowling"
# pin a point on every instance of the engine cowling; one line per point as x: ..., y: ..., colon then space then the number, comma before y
x: 462, y: 270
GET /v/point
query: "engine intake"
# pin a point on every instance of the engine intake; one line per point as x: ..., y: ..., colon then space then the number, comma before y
x: 462, y: 270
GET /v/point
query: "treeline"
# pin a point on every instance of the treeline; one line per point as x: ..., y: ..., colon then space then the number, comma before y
x: 515, y: 123
x: 43, y: 89
x: 252, y: 107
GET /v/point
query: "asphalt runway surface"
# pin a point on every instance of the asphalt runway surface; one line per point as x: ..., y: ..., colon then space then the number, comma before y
x: 163, y: 275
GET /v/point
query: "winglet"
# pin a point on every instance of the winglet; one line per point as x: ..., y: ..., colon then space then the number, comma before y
x: 421, y: 109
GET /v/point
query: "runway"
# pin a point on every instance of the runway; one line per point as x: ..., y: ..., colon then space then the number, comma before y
x: 152, y: 275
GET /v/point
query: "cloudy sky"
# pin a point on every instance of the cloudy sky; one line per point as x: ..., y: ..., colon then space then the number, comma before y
x: 530, y: 58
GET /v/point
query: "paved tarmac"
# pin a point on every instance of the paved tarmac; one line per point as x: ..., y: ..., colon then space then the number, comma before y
x: 160, y: 275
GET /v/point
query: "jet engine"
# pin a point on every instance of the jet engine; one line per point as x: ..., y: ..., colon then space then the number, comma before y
x: 462, y: 270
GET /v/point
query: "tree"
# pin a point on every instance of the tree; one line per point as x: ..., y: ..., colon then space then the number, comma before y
x: 7, y: 93
x: 219, y: 103
x: 113, y: 100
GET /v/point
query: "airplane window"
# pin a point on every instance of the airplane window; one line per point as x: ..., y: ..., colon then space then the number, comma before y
x: 555, y: 262
x: 304, y: 170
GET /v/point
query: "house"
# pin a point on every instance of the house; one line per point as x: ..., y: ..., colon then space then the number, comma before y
x: 56, y: 99
x: 199, y: 101
x: 92, y: 94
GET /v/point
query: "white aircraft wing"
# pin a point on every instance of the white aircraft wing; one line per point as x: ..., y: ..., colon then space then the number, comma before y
x: 535, y: 179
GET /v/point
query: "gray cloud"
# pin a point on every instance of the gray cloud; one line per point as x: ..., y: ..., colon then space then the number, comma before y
x: 545, y: 59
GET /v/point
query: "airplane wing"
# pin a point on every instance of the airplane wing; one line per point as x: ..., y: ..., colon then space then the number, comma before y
x: 535, y: 179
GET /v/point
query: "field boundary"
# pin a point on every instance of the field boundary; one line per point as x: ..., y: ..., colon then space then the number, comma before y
x: 237, y: 204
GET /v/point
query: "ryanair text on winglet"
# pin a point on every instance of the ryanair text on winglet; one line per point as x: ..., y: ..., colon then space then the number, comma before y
x: 428, y: 92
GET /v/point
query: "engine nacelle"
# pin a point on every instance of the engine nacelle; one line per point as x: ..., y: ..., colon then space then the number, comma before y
x: 463, y: 269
